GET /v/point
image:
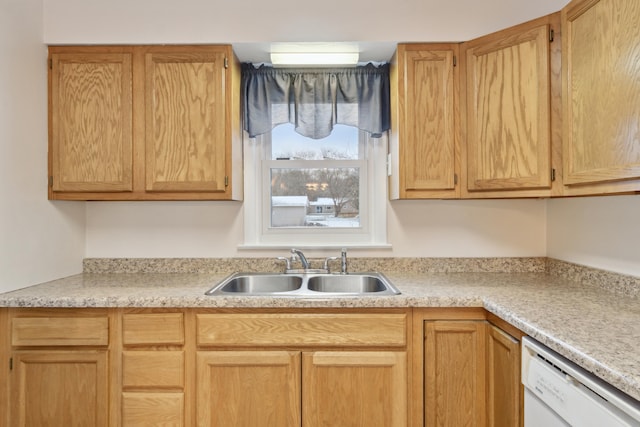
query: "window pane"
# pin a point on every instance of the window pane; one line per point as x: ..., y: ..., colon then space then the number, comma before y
x: 286, y: 143
x: 315, y: 197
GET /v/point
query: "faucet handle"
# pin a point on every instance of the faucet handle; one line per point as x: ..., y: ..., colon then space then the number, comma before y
x: 287, y: 262
x: 325, y: 266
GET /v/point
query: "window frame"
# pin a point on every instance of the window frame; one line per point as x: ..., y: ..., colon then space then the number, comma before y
x: 372, y: 232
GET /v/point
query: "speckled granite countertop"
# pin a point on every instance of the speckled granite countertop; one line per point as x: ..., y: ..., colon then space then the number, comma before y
x: 595, y: 327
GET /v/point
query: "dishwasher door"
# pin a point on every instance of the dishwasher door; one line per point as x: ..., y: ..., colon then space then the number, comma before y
x: 560, y: 393
x: 536, y: 413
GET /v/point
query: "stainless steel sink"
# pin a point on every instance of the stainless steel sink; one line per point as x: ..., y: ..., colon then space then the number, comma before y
x: 347, y: 283
x: 304, y: 285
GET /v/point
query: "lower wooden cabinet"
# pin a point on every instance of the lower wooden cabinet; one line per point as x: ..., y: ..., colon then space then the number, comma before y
x: 309, y: 368
x: 153, y: 409
x: 352, y: 388
x: 153, y: 380
x: 248, y: 388
x: 292, y: 388
x: 469, y: 369
x: 59, y: 388
x: 504, y: 388
x: 454, y: 360
x: 58, y: 367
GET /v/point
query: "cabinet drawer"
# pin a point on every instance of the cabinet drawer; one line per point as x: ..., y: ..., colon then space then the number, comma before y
x: 303, y: 329
x: 59, y: 331
x: 153, y: 328
x: 152, y: 409
x: 164, y: 369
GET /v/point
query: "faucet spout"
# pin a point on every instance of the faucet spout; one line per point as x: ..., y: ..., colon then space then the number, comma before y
x: 303, y: 259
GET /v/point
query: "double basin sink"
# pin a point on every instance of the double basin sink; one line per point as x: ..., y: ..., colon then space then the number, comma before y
x: 304, y: 285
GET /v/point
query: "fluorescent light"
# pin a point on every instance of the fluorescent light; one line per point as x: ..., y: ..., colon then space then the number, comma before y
x: 314, y: 58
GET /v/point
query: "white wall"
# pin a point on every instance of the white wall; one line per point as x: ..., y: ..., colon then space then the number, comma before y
x: 197, y: 21
x: 469, y: 228
x: 39, y: 240
x: 602, y: 232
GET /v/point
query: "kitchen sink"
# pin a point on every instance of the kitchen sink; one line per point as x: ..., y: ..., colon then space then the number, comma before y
x: 304, y: 285
x: 347, y: 283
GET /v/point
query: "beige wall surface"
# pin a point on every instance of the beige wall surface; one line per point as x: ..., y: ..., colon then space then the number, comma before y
x: 432, y: 228
x: 39, y: 240
x: 601, y: 232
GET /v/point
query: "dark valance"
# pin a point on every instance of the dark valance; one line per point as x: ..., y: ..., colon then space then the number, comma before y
x: 314, y: 100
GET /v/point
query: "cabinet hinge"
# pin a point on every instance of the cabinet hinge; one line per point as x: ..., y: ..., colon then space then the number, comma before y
x: 51, y: 181
x: 50, y: 64
x: 11, y: 364
x: 226, y: 62
x: 226, y: 181
x: 551, y: 34
x: 553, y: 175
x: 455, y: 60
x: 455, y: 179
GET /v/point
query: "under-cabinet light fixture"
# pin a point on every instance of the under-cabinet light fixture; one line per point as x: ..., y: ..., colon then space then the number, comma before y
x: 313, y: 58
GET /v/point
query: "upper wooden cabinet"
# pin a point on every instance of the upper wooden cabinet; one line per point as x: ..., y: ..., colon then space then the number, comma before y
x: 144, y: 123
x: 424, y: 142
x: 185, y: 120
x: 601, y: 94
x: 507, y: 97
x: 91, y: 117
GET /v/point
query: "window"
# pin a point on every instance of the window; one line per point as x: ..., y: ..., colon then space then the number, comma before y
x: 328, y: 188
x: 303, y: 192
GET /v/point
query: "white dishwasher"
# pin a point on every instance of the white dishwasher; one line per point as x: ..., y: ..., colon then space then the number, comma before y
x: 557, y: 392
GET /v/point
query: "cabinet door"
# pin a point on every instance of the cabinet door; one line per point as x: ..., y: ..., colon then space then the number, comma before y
x: 90, y: 118
x: 358, y: 389
x: 248, y: 388
x: 508, y: 117
x: 186, y: 137
x: 423, y: 137
x: 601, y: 96
x: 454, y: 374
x: 503, y: 379
x: 59, y: 388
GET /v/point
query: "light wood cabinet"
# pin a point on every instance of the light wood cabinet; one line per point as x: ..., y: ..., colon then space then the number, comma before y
x: 424, y: 122
x: 184, y: 367
x: 248, y: 388
x: 154, y: 380
x: 601, y: 96
x: 67, y: 388
x: 5, y: 360
x: 507, y: 95
x: 59, y: 368
x: 354, y: 388
x: 504, y: 389
x: 466, y: 369
x: 454, y: 373
x: 91, y: 118
x: 311, y: 369
x: 185, y: 120
x: 144, y: 123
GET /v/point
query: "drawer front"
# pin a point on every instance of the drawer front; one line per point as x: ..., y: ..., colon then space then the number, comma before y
x: 153, y: 328
x: 359, y: 330
x: 152, y: 409
x: 60, y: 331
x: 163, y: 369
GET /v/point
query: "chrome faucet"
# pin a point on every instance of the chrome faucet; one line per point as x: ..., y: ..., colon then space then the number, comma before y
x: 303, y: 259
